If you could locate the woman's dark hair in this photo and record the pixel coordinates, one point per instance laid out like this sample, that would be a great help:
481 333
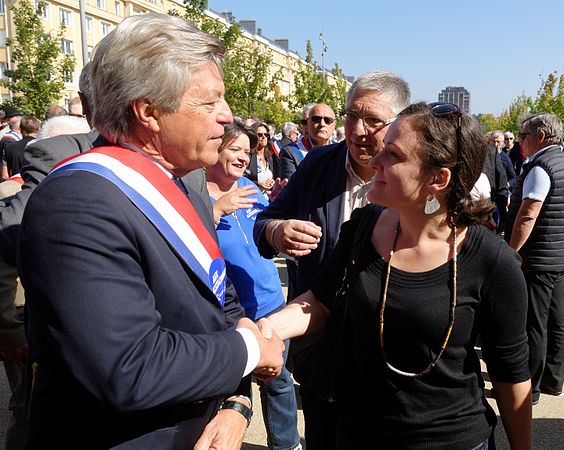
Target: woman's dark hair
438 138
267 150
236 129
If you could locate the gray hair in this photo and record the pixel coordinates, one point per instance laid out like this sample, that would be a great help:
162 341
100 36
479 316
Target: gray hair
85 85
549 123
385 82
58 125
508 135
288 128
497 133
307 108
147 57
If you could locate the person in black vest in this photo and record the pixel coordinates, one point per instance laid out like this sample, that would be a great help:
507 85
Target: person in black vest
535 228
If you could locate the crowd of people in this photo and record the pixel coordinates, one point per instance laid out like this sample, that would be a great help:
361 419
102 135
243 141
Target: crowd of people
144 243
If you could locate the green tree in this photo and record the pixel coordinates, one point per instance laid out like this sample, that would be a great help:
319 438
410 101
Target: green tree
246 75
40 69
511 118
488 122
550 96
340 89
310 84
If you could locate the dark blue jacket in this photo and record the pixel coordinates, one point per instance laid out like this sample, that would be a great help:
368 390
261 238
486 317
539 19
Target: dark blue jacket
315 193
127 345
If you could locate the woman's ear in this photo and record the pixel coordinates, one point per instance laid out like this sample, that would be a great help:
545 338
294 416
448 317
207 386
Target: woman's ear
146 114
440 181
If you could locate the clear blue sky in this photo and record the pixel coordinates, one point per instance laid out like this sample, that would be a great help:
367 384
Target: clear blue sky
496 49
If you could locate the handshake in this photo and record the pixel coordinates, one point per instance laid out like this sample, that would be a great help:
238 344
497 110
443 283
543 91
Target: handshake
271 348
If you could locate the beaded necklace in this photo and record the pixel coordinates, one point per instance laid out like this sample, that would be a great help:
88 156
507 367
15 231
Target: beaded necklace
451 313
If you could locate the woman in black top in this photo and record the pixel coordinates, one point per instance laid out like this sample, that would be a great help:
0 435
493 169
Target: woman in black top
424 278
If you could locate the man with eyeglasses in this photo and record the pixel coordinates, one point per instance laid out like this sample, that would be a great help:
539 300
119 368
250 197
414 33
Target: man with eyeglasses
535 228
320 126
305 219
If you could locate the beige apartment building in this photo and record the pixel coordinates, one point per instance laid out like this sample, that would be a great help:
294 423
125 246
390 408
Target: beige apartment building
101 16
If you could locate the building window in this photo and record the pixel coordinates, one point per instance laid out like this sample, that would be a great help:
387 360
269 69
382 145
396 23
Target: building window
65 17
101 4
3 67
44 13
66 47
68 76
88 24
2 8
137 10
117 8
2 38
106 28
90 49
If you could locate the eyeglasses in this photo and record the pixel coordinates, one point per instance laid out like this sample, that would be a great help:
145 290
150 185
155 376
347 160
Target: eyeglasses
523 135
370 123
318 119
263 135
445 109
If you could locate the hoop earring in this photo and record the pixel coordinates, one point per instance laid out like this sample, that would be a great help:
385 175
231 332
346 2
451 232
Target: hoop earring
432 205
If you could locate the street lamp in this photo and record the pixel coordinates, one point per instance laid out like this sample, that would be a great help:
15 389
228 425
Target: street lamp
324 48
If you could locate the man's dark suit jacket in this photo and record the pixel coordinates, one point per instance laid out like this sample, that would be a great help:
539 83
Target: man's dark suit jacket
14 154
315 193
41 156
289 160
127 344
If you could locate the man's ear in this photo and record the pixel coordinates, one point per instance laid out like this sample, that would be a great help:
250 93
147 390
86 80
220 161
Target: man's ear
146 114
541 135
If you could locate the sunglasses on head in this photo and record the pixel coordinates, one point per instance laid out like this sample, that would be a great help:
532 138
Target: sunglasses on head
441 109
318 119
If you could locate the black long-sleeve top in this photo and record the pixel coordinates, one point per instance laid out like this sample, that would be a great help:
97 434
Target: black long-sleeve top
446 408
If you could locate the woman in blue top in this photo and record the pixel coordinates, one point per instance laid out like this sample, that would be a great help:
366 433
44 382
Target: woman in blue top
236 205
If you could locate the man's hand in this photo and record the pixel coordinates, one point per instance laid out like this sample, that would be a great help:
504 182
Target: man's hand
293 237
232 201
271 350
224 432
15 354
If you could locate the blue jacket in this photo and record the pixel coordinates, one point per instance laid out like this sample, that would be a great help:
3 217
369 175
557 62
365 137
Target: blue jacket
255 278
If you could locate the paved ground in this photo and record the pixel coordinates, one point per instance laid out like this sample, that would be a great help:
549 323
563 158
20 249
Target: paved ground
548 420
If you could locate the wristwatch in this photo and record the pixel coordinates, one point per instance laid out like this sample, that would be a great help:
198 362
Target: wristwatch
239 407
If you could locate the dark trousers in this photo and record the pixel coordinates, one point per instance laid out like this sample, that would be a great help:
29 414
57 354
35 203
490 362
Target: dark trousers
545 329
320 419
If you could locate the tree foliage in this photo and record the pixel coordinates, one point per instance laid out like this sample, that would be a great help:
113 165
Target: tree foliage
38 77
550 96
511 118
310 86
250 88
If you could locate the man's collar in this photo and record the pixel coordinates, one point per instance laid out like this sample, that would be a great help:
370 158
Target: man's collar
540 152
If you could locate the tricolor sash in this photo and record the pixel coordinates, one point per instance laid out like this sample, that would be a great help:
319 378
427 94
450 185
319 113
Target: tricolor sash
151 189
276 148
304 146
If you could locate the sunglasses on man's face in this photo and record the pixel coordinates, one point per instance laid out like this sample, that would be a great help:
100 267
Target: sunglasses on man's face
318 119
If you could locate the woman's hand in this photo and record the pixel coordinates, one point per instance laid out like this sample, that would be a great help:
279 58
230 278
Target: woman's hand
266 185
232 201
